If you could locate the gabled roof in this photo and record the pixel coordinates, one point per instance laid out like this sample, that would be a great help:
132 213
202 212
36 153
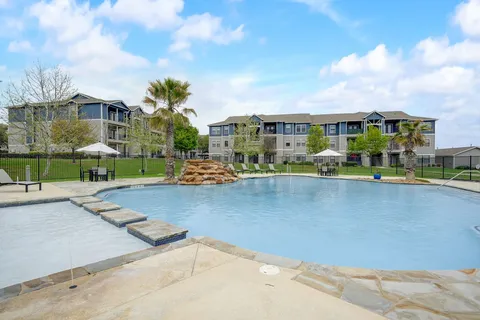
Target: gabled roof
453 151
323 118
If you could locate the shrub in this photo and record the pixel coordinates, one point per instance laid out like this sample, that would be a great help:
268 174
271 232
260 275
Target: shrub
349 164
439 165
462 167
398 165
305 163
285 162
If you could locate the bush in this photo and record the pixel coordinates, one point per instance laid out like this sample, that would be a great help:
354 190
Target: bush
349 164
398 165
285 162
303 163
462 167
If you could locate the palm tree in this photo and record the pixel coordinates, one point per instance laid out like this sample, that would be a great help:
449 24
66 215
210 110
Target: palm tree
167 98
410 136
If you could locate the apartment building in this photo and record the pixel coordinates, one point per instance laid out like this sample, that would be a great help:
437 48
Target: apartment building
110 120
289 134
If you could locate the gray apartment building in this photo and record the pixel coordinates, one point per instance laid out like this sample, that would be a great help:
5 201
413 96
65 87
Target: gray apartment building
110 120
289 132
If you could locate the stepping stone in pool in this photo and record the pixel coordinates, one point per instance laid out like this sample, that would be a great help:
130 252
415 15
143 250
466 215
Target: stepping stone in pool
120 218
98 207
156 232
80 201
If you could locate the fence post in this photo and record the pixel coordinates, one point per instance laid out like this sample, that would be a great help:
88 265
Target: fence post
422 166
38 167
396 165
443 167
470 168
143 171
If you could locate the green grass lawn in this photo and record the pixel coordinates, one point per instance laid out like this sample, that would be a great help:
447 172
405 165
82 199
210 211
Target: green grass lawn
65 169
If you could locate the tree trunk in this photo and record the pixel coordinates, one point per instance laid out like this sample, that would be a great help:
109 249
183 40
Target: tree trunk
47 166
73 155
169 154
410 159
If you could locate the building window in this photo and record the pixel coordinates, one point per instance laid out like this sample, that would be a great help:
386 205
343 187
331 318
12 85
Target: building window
298 143
301 128
215 143
287 143
270 129
288 128
303 143
332 144
226 143
216 157
332 159
332 129
225 131
389 128
215 131
428 125
287 157
225 158
300 158
427 142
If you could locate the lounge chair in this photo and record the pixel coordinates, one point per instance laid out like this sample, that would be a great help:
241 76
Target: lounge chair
6 180
233 168
272 169
245 168
257 168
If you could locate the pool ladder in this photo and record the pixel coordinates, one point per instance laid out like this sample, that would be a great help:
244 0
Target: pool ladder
464 171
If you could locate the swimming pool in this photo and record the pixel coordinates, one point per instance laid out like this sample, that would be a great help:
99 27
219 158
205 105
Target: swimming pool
38 240
330 221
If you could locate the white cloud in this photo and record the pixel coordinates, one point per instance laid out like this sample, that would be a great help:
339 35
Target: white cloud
73 34
379 60
19 46
323 6
447 80
437 52
206 28
162 62
3 3
467 16
262 41
3 68
153 14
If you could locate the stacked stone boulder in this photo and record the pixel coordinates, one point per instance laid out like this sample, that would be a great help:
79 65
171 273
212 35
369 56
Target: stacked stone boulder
197 172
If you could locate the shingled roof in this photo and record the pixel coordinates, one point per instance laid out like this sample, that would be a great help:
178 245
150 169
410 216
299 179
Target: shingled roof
453 151
322 118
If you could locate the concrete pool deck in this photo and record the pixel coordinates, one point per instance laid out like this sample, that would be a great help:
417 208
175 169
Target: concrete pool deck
209 279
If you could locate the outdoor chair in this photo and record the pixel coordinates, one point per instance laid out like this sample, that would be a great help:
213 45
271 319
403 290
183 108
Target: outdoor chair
82 174
245 168
6 180
102 174
233 168
324 171
272 169
257 168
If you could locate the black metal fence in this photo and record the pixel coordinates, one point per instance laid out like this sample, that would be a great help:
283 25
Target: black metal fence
41 167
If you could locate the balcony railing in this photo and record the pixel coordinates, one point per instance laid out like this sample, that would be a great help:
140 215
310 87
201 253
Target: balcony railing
354 131
117 136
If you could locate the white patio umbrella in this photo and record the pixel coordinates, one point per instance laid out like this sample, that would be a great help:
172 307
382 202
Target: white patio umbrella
327 153
98 148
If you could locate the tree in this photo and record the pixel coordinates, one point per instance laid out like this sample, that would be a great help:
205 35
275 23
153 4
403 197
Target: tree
247 139
142 137
185 139
167 98
203 142
35 102
410 136
316 140
3 136
370 143
72 133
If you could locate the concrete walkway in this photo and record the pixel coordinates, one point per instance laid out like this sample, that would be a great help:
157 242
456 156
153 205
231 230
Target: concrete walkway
193 282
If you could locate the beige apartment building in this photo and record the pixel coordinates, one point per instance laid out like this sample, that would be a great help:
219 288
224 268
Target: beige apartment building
289 132
110 120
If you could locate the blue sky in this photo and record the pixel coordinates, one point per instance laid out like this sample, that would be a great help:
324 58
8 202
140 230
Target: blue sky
270 56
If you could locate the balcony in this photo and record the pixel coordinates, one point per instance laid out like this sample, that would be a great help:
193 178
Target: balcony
113 135
354 131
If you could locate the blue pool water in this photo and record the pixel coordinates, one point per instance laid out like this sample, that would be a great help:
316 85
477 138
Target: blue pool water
338 222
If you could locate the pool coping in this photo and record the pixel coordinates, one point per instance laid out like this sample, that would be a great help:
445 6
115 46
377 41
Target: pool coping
332 280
